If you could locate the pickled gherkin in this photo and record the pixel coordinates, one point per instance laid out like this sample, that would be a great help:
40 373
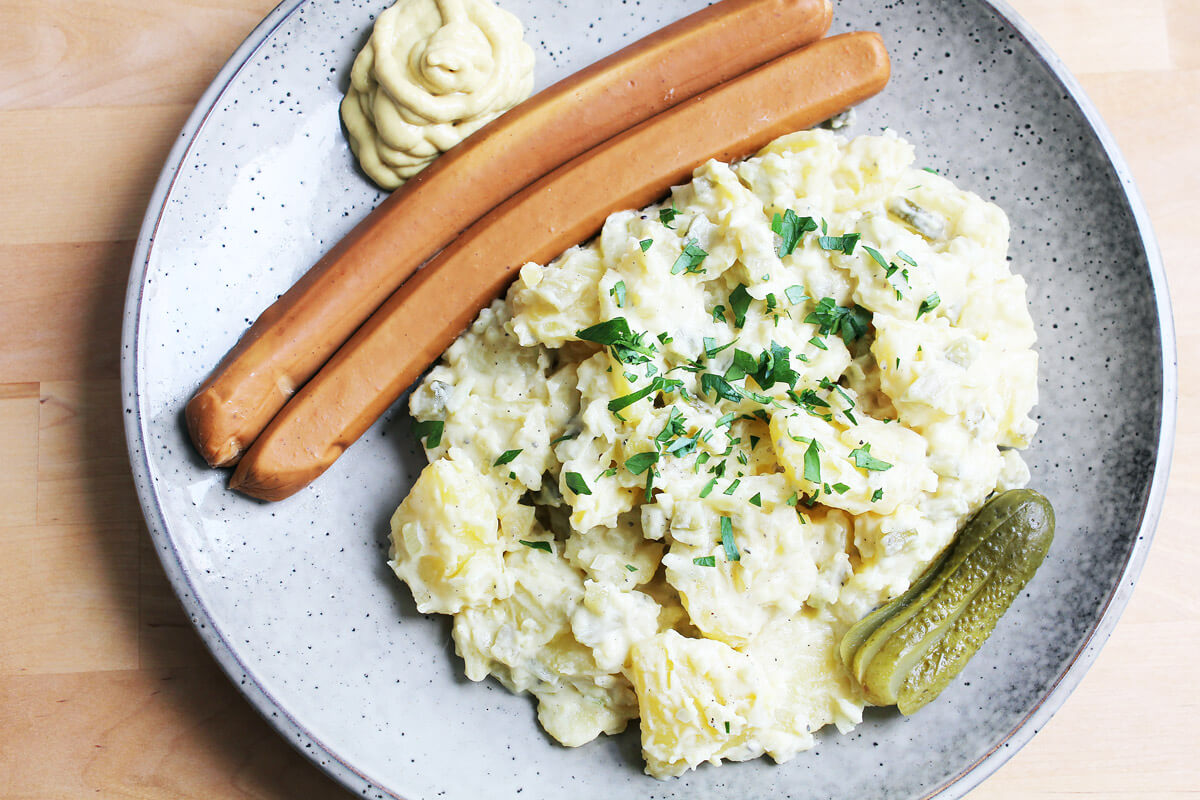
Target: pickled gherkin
908 650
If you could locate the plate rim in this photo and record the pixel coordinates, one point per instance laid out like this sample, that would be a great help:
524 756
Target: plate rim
304 741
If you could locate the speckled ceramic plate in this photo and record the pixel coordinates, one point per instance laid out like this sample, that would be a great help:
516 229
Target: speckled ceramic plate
295 599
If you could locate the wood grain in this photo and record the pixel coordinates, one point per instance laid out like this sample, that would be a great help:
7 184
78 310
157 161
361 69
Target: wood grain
105 689
79 286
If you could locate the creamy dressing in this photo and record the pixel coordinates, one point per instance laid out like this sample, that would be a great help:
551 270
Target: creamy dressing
739 430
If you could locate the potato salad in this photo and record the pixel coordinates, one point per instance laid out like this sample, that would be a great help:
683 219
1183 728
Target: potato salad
672 467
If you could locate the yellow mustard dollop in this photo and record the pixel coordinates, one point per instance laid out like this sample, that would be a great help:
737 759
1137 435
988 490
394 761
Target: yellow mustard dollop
432 73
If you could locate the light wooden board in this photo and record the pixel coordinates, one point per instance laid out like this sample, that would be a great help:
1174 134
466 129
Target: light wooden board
106 691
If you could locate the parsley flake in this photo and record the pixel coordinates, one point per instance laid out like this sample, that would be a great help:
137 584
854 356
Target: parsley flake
739 301
875 254
544 546
641 462
864 460
850 323
711 348
667 215
743 364
618 293
506 457
812 462
710 383
705 561
790 228
627 347
731 548
430 430
624 401
690 259
795 294
645 244
929 304
844 243
577 484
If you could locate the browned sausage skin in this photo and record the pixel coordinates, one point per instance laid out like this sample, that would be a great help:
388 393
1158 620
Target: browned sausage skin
292 338
564 208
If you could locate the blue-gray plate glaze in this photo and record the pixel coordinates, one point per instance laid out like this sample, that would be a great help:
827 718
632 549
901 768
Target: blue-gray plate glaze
295 599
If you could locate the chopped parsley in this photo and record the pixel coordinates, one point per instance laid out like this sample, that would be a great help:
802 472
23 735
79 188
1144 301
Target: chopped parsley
705 561
903 256
812 462
715 384
844 243
790 228
891 270
864 460
841 488
850 323
430 430
506 456
624 401
718 313
641 462
563 438
739 301
690 259
756 500
711 348
682 446
577 484
743 364
731 548
795 294
774 365
544 546
618 292
673 427
877 495
631 568
645 244
929 304
733 486
667 215
878 256
627 347
708 487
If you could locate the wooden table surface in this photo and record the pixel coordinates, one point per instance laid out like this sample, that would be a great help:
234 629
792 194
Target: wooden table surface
105 689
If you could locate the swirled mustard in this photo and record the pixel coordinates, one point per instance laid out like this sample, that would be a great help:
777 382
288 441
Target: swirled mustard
432 73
